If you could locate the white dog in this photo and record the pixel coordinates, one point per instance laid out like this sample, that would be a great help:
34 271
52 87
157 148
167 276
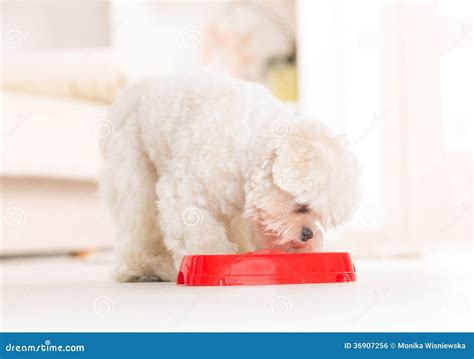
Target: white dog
205 163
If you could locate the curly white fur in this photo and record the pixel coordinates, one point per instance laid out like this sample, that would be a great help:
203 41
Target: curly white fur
204 163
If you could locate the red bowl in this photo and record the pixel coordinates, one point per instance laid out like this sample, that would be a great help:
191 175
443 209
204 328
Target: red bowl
266 267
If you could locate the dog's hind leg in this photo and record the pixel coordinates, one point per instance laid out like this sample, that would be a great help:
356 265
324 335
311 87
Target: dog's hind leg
187 224
128 186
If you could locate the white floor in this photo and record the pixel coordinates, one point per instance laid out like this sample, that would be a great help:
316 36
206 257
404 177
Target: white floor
70 294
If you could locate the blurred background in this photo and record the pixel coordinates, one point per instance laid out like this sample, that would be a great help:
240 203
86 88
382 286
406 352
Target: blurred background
395 77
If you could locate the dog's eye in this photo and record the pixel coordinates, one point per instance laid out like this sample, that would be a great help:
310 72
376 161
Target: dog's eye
302 209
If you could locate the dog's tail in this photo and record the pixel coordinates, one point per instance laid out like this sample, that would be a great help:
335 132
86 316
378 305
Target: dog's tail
124 105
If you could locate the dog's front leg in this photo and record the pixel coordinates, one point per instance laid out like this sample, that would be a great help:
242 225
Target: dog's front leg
188 227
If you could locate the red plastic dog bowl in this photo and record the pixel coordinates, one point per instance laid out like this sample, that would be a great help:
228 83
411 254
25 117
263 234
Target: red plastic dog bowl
266 267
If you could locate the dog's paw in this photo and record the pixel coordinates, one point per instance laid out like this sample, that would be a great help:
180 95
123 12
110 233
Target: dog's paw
126 276
122 274
144 278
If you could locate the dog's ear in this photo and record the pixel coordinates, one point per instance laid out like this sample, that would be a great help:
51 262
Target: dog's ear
317 168
259 183
294 166
304 162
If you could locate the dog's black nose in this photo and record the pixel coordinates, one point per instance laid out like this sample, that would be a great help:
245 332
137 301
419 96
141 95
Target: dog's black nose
306 234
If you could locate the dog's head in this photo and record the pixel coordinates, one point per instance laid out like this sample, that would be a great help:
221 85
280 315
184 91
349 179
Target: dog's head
305 182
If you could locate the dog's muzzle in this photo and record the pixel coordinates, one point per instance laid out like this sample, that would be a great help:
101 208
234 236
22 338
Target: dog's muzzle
306 234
